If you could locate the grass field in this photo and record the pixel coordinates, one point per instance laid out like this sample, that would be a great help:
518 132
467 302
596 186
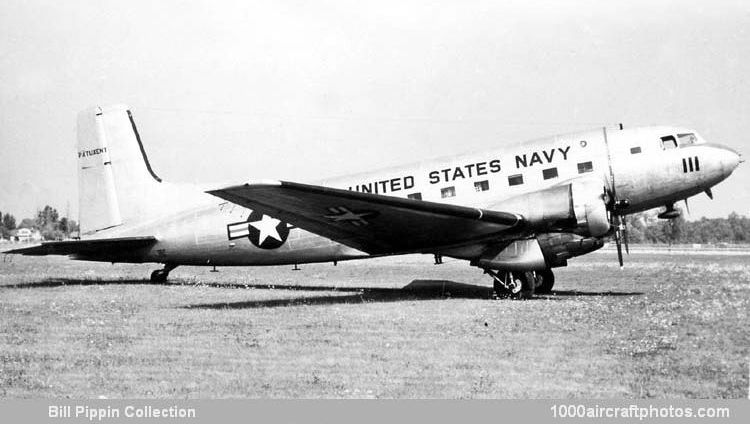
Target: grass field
667 326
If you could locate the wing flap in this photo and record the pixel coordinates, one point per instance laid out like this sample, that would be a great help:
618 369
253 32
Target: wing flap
85 247
373 223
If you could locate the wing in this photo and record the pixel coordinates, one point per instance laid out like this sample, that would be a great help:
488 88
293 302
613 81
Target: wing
95 247
373 223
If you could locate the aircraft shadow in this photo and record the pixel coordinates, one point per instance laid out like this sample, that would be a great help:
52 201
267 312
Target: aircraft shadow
575 293
416 290
59 282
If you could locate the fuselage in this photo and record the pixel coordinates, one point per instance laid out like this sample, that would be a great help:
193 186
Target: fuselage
649 167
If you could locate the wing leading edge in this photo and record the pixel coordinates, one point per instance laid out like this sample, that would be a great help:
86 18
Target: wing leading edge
373 223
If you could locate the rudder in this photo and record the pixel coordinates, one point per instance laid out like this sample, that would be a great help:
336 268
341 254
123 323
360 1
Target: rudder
114 173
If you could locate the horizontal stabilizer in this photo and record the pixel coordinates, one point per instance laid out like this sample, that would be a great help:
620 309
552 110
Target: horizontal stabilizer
373 223
94 247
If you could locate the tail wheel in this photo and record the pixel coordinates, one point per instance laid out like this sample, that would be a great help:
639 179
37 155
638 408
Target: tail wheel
159 276
548 280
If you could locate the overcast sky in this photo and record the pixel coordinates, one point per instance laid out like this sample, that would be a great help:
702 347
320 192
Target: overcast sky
301 90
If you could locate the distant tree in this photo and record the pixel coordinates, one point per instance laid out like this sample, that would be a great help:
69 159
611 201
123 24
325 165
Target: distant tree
47 223
27 223
9 222
637 228
46 216
67 226
740 227
72 227
673 230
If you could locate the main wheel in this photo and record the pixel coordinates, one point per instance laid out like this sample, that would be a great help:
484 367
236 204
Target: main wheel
527 282
548 280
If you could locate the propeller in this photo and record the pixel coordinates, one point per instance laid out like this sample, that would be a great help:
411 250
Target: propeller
616 208
618 222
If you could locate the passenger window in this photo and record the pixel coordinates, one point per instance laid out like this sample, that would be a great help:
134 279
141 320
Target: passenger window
585 167
686 139
635 150
549 173
668 142
514 180
448 192
482 185
415 196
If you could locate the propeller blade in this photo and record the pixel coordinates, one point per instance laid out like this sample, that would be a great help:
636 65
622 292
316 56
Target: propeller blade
615 220
625 235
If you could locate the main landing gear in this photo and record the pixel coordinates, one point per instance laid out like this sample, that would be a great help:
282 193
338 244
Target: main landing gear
545 281
521 284
160 275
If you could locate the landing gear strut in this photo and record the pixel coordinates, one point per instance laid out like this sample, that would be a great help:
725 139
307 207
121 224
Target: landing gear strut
517 285
160 275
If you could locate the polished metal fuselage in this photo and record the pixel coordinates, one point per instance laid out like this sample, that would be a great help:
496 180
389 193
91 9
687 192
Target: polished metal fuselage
196 232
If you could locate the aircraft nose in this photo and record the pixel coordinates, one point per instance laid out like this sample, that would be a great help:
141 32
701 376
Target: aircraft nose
728 159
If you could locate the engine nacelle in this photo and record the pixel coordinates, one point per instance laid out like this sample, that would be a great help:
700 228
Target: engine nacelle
577 207
559 247
545 251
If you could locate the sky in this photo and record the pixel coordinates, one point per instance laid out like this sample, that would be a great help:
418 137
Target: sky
298 90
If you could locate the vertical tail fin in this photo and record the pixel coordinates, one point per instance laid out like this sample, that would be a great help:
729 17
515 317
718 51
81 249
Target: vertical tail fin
114 172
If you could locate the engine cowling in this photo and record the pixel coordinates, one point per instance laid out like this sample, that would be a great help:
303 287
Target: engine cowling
557 248
578 207
590 208
546 250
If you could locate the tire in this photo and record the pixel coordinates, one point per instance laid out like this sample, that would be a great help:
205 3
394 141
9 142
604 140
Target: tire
548 281
527 285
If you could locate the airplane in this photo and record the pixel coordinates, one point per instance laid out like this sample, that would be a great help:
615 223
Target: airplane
515 212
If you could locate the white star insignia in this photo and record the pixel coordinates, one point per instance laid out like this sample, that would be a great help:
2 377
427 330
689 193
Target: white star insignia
267 228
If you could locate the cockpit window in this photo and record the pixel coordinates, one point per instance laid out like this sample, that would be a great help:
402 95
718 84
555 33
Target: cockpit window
686 139
668 142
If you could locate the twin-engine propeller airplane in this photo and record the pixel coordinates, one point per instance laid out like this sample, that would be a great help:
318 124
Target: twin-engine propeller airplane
515 212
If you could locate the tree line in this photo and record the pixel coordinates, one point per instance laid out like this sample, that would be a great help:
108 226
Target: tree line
645 227
48 222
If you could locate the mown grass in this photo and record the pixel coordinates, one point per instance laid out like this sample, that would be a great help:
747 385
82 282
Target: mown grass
666 326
